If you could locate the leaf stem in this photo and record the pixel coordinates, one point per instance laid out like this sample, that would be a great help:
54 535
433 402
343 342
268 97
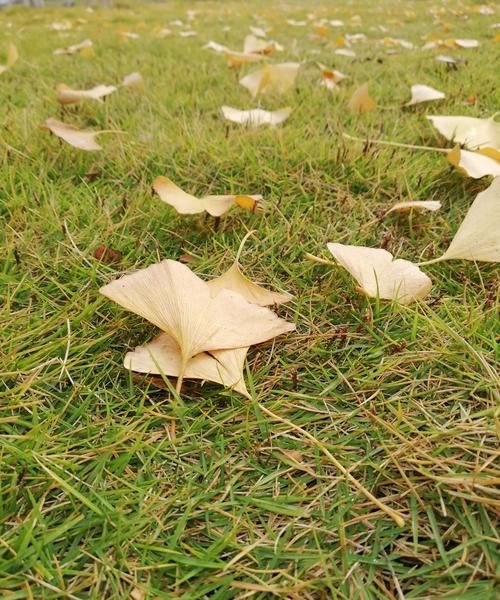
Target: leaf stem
397 144
117 131
321 261
180 377
242 243
431 261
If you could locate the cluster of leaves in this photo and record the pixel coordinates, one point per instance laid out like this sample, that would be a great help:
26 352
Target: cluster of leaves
321 382
179 303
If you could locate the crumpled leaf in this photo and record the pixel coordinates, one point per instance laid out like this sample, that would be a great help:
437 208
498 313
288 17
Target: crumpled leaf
478 237
448 60
216 47
67 95
332 74
12 57
163 32
179 303
355 38
84 47
475 164
125 36
330 77
345 52
450 43
278 78
470 132
361 101
254 50
467 43
162 356
133 80
256 116
61 25
380 275
84 140
237 59
107 255
254 45
258 32
424 93
395 42
186 204
431 205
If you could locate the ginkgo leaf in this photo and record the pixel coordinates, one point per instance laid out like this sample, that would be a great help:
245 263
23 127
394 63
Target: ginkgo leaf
278 78
380 275
330 77
361 101
179 303
321 29
345 52
186 204
61 25
162 356
475 164
355 37
85 47
470 132
391 42
128 35
450 43
258 31
431 205
237 59
467 43
233 279
12 57
163 32
133 80
478 237
331 74
256 116
254 45
67 95
432 44
216 47
84 140
449 60
424 93
330 84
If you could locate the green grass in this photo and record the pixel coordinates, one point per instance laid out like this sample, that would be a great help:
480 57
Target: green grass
98 499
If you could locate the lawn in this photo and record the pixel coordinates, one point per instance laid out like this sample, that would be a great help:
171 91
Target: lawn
113 486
